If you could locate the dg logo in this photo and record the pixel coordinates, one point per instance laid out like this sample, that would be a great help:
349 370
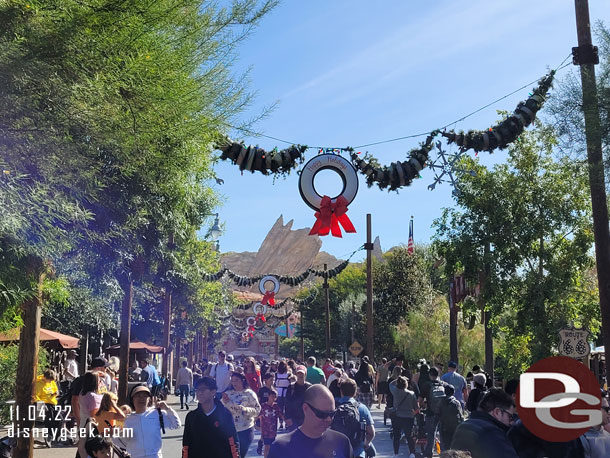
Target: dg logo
559 399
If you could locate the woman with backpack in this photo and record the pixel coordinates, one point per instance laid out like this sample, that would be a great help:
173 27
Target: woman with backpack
402 413
282 383
365 378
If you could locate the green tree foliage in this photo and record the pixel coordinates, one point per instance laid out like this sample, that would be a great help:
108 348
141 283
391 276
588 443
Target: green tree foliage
534 213
108 115
401 285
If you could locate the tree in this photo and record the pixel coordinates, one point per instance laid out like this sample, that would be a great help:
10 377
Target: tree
534 214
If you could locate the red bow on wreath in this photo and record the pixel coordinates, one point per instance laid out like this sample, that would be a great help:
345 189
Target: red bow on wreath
331 217
251 331
268 298
261 317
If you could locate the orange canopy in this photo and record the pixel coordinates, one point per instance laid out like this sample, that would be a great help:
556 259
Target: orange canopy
135 345
45 335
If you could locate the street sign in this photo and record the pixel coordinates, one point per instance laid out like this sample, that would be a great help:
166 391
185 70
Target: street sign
574 343
355 348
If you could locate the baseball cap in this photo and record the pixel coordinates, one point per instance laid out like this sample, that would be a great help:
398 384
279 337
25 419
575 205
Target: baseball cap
229 357
452 364
301 369
98 362
480 379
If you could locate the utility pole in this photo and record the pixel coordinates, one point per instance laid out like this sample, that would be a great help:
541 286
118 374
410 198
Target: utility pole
453 321
302 333
127 285
327 307
167 316
369 289
353 314
489 343
585 55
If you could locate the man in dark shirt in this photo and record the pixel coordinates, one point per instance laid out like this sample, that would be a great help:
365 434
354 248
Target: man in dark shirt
314 439
209 430
294 399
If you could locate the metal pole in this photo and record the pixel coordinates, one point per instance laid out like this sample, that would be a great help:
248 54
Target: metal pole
302 333
489 343
327 307
596 166
369 290
453 323
167 316
127 286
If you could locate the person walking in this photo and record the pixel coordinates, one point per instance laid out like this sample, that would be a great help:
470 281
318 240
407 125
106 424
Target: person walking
477 393
314 374
295 397
365 380
434 394
146 423
314 439
209 430
221 373
402 413
484 433
451 415
452 377
353 419
184 382
269 417
150 376
243 404
253 374
381 381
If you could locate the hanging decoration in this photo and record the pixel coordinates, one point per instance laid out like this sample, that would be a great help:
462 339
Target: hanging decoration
444 166
397 174
507 130
253 158
269 295
331 213
332 272
307 300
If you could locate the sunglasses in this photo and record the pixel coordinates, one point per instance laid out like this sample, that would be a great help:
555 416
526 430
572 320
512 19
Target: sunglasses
322 414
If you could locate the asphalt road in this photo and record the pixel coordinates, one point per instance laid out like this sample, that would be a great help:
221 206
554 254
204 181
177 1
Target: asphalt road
172 440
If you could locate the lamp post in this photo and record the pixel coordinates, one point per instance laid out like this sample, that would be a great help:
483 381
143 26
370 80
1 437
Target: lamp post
215 231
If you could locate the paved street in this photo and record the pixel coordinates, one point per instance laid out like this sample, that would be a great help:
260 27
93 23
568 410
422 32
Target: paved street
172 440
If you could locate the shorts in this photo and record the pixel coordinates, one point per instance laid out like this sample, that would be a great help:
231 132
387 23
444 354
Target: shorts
382 388
268 440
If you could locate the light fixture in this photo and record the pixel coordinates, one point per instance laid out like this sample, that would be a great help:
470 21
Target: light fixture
215 230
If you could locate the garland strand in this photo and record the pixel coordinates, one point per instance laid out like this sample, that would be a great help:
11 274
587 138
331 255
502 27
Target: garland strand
287 280
507 130
398 174
253 158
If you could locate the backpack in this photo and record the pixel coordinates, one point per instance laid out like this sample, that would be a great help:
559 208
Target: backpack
365 387
347 421
436 397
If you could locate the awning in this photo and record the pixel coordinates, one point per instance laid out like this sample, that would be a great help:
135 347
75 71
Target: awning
136 345
45 336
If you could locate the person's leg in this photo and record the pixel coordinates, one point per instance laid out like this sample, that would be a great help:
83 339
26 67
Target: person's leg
431 423
266 451
181 389
245 439
396 431
409 433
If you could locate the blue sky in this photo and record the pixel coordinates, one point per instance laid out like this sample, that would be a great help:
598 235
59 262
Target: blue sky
352 72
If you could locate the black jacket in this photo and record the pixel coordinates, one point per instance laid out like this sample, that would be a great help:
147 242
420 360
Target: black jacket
484 437
474 398
529 446
212 436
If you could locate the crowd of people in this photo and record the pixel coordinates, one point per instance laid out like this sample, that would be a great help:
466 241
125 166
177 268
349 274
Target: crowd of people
312 410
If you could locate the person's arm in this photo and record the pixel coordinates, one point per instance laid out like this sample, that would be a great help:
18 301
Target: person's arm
187 439
118 413
250 406
369 433
170 417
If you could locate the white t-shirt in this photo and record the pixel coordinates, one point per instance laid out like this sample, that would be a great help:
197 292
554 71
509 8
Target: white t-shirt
222 374
71 368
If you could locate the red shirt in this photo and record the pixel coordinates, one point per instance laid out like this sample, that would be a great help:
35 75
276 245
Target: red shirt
254 380
269 416
328 370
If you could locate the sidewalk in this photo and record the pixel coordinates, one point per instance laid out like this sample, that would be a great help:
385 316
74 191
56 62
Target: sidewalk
172 439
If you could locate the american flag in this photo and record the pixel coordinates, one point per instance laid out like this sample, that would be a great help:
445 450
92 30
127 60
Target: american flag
411 245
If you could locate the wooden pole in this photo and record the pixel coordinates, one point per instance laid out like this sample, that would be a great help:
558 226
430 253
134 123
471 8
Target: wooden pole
453 323
167 317
596 166
327 310
369 290
489 343
302 323
84 350
125 338
27 362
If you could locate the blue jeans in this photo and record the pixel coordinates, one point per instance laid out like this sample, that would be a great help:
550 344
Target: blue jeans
431 424
245 439
184 392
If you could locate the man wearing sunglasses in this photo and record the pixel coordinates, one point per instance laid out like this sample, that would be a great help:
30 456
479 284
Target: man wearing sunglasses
314 439
596 441
484 433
